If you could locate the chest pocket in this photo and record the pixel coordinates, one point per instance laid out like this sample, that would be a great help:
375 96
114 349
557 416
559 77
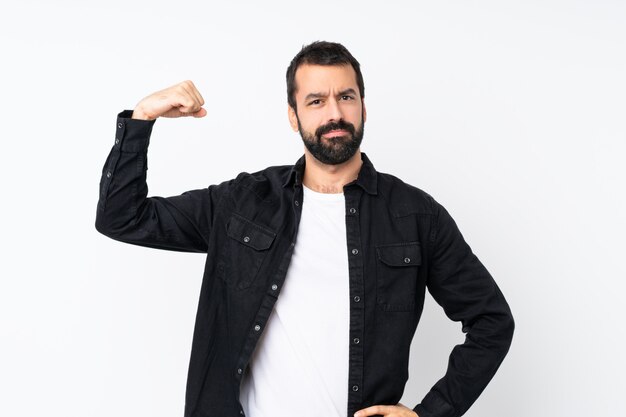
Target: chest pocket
248 246
396 275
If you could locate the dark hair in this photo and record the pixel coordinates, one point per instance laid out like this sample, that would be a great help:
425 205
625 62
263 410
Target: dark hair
321 53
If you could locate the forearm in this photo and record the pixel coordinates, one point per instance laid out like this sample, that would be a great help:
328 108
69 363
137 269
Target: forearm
461 284
123 182
471 366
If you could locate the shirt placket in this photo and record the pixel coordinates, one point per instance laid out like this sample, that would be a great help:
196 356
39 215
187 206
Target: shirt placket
357 308
271 296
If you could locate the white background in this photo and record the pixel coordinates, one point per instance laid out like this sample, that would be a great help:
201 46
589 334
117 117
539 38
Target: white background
510 113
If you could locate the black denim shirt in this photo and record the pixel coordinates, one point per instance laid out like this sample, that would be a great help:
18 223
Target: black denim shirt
400 241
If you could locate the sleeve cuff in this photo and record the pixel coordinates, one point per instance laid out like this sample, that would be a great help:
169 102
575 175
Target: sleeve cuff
421 412
434 406
132 135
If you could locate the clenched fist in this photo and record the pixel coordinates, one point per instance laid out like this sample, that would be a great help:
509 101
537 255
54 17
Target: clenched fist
179 100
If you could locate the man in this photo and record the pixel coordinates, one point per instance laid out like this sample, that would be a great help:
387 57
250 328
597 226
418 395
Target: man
316 272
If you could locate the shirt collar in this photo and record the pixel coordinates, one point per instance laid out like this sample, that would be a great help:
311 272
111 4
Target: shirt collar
367 178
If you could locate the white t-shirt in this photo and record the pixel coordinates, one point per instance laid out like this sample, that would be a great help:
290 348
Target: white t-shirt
300 365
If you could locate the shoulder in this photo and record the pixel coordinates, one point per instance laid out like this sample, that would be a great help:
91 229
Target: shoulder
264 183
404 197
275 174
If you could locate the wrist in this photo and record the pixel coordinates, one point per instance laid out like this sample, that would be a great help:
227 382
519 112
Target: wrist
139 114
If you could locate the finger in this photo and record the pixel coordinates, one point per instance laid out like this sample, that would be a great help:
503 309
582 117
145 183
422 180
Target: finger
173 112
196 93
193 92
200 113
373 410
176 112
200 97
187 103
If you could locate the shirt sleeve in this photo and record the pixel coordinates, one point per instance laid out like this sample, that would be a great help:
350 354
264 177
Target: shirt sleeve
125 213
460 283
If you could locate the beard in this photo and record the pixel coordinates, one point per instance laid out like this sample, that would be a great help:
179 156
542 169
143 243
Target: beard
334 150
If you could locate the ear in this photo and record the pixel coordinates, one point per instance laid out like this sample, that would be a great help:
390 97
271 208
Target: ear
293 118
364 110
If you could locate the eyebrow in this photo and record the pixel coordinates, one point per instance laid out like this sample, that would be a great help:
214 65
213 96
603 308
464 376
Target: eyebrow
321 95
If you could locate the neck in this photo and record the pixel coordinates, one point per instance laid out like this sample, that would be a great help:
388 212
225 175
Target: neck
330 179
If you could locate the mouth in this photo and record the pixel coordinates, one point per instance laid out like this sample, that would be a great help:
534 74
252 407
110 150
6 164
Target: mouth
335 133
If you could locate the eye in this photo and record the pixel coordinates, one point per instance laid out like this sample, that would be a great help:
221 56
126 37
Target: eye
314 102
347 97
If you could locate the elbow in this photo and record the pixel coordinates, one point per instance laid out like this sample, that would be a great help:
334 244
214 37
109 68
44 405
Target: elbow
509 328
105 224
492 332
101 224
505 331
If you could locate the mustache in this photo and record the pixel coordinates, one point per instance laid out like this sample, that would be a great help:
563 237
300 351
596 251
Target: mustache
340 125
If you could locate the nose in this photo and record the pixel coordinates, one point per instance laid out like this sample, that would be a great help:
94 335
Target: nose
334 111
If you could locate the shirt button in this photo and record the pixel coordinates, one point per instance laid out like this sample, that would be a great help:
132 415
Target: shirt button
355 388
109 174
257 328
246 239
355 251
119 125
239 371
117 141
274 287
352 210
357 298
297 203
407 260
356 341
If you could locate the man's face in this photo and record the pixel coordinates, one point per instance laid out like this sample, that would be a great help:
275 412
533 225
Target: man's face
331 112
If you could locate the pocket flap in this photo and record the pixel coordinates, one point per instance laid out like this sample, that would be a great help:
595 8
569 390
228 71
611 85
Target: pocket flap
249 233
400 254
